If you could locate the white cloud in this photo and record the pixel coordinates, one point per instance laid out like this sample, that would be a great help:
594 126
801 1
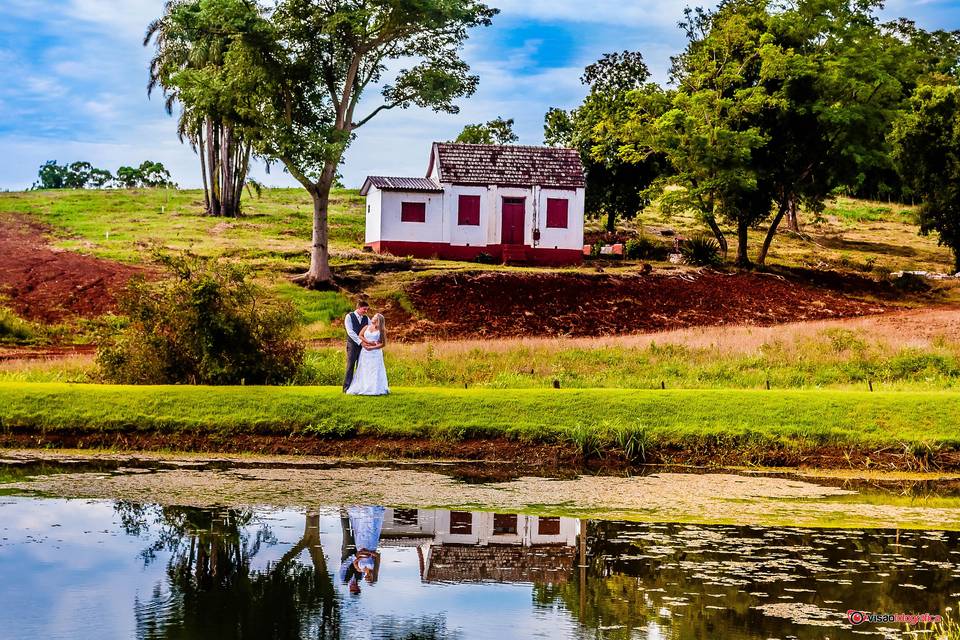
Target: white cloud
629 13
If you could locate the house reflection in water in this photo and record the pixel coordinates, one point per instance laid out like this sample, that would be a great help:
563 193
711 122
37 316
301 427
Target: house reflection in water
462 546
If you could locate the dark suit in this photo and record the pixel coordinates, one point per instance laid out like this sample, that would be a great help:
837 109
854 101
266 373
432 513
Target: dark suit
353 349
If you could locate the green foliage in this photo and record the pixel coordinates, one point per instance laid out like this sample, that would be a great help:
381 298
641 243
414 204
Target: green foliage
206 55
148 175
497 131
83 175
616 178
926 141
702 251
76 175
14 329
644 248
485 258
206 325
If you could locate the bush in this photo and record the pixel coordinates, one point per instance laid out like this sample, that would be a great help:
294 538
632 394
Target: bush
702 251
643 248
14 329
207 324
485 258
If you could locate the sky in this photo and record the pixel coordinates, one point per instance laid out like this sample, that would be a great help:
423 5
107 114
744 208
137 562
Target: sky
73 77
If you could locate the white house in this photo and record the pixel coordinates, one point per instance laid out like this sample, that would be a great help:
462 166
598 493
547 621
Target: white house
517 204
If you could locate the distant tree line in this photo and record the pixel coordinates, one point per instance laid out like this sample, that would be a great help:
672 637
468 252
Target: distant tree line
83 175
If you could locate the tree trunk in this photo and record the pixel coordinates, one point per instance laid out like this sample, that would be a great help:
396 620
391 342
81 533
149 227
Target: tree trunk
319 276
611 220
718 234
793 220
212 163
243 166
743 259
227 208
772 231
203 170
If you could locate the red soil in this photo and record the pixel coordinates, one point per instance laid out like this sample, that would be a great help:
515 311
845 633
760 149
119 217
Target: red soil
505 304
47 284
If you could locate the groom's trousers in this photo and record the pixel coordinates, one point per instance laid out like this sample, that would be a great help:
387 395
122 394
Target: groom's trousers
353 355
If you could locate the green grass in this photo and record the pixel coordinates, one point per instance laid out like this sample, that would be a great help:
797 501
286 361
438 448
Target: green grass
16 330
829 359
272 236
322 310
589 418
118 224
823 359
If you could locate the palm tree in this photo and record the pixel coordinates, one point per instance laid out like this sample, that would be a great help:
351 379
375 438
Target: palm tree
191 41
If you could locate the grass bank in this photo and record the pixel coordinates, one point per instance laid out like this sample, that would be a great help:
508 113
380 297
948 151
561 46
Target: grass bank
648 425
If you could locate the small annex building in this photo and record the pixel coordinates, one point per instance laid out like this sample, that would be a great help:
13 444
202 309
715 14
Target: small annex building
517 204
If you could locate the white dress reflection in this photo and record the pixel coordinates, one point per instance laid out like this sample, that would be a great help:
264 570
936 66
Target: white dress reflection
365 525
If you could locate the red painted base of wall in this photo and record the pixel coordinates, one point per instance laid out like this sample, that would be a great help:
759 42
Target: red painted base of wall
530 255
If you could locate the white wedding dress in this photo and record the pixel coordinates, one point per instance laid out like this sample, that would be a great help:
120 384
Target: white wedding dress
370 378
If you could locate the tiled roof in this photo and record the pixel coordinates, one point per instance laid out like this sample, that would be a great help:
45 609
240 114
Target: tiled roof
400 184
509 165
500 563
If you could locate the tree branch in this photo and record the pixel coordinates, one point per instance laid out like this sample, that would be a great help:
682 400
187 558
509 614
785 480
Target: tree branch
383 107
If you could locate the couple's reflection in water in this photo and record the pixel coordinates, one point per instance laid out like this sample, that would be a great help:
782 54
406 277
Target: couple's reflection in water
360 553
218 585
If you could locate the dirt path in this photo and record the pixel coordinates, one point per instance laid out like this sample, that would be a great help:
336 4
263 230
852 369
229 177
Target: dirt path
572 304
909 328
46 284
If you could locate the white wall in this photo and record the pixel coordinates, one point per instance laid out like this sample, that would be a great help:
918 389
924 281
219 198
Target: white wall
383 216
372 232
474 236
391 228
572 236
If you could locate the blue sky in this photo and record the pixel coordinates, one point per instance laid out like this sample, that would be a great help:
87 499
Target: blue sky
73 80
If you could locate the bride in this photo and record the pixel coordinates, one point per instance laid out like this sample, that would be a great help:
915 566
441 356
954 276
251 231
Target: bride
371 376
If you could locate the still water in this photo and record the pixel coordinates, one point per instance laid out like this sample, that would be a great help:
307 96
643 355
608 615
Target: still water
101 569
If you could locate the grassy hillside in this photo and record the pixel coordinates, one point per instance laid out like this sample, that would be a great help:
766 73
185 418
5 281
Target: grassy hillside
273 236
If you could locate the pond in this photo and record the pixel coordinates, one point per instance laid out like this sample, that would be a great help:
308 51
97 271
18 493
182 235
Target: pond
93 566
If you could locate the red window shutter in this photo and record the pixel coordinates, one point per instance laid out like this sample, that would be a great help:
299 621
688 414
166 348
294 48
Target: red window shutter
557 213
413 212
468 211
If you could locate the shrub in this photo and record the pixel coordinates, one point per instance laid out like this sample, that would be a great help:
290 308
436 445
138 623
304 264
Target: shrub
911 283
206 324
485 258
702 251
643 248
15 329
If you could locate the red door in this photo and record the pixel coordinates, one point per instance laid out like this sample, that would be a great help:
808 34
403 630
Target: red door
512 230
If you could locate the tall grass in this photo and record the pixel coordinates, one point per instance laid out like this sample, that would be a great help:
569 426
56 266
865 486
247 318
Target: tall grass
15 330
793 357
831 358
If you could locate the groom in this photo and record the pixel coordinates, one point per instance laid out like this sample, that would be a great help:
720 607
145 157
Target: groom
353 323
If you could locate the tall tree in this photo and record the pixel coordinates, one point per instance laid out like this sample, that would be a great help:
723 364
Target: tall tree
842 78
325 55
618 172
711 133
199 46
496 131
927 149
